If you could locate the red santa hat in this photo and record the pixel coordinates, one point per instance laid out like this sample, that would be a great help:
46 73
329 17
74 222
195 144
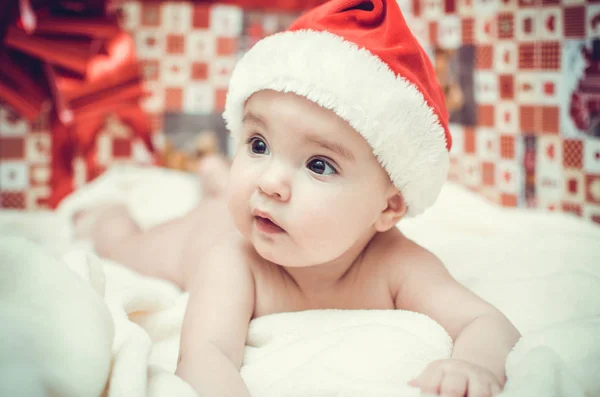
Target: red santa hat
359 59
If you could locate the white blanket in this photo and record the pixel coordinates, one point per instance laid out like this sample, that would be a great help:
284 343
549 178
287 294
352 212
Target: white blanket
542 271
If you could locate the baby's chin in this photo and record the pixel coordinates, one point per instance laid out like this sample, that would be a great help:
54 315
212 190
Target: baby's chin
282 257
268 253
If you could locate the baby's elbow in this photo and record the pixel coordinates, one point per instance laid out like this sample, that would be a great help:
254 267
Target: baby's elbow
182 369
514 334
510 332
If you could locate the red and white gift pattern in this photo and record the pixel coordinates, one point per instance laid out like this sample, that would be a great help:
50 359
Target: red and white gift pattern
186 51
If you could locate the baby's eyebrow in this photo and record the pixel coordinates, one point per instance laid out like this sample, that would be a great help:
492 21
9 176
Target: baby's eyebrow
333 146
252 118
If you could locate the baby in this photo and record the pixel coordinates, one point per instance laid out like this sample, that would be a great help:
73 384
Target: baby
342 132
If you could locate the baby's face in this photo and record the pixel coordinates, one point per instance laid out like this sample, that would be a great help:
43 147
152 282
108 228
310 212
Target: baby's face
304 185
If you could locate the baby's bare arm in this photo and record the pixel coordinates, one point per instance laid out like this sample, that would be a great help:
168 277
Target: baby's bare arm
160 250
216 322
154 252
482 334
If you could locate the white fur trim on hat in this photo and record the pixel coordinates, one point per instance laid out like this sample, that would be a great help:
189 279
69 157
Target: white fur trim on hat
387 110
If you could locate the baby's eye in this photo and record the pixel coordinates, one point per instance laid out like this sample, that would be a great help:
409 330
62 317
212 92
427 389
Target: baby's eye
258 146
321 167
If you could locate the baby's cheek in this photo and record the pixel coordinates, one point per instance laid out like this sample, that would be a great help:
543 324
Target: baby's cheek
237 196
240 179
325 227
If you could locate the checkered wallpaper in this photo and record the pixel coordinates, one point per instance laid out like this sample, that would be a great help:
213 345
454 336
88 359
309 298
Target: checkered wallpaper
533 139
24 162
187 52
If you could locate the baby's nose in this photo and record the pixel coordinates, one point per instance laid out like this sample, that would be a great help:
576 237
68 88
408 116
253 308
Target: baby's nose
275 183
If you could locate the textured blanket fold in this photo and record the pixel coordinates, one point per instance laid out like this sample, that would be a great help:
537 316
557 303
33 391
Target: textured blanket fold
56 331
316 353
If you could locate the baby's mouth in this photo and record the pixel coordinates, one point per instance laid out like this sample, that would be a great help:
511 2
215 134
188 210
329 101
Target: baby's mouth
267 226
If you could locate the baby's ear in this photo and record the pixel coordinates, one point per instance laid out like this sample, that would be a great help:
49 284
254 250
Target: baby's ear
395 210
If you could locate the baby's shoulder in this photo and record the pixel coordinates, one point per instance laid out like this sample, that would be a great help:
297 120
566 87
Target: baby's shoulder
230 255
233 248
394 247
398 256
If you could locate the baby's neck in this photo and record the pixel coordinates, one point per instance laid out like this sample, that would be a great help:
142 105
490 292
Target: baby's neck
325 276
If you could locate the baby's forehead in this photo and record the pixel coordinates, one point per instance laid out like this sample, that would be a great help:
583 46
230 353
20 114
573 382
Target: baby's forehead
298 115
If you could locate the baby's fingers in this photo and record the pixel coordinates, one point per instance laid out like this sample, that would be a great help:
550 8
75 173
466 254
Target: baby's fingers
429 381
454 384
479 387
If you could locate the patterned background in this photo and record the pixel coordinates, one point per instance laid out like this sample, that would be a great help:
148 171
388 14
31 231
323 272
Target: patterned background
529 69
536 140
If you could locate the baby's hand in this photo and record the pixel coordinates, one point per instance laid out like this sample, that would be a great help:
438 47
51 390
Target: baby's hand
457 378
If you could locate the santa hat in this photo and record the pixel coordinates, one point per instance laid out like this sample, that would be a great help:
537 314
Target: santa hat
359 59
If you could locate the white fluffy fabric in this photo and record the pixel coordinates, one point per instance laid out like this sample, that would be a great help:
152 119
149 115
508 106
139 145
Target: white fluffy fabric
341 353
56 330
387 110
60 331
